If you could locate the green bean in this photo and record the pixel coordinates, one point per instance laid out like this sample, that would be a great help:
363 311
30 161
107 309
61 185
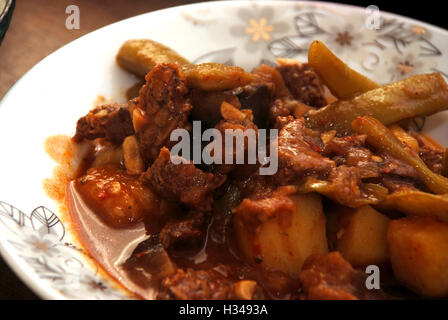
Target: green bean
419 95
215 76
370 193
417 203
384 140
142 55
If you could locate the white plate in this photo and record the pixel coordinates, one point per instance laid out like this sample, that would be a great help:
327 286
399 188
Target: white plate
61 88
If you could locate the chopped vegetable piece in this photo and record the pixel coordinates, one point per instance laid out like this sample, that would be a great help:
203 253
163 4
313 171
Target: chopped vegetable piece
149 262
245 289
141 56
131 155
371 193
383 140
109 155
417 203
359 234
419 95
404 137
419 255
342 81
215 76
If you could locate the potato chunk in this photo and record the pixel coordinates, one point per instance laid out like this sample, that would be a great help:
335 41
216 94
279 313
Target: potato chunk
119 199
281 231
419 255
360 234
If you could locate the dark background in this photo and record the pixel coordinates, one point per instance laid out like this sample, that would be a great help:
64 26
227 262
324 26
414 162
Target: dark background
33 35
429 11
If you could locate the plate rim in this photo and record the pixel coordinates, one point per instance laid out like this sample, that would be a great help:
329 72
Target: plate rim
213 3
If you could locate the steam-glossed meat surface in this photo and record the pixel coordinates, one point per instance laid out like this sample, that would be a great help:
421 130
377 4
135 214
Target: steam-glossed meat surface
182 182
164 106
110 121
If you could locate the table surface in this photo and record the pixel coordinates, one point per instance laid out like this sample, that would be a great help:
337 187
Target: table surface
37 29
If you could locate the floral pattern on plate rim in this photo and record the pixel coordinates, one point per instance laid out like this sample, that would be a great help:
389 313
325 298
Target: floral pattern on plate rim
40 241
398 49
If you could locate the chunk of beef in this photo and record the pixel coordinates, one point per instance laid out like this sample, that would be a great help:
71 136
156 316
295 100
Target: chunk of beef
433 158
239 123
149 262
254 97
300 157
235 119
396 183
207 105
257 98
285 107
163 106
255 186
330 277
362 159
345 185
254 211
397 167
109 121
182 182
430 151
298 153
304 84
187 230
279 285
351 151
196 285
